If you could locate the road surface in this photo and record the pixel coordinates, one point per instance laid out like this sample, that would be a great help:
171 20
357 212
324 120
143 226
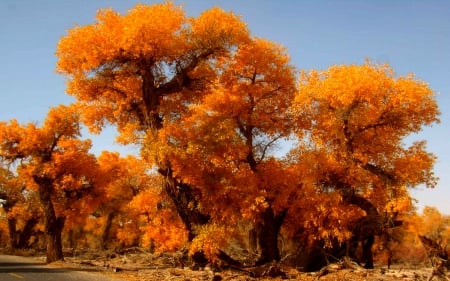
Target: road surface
13 268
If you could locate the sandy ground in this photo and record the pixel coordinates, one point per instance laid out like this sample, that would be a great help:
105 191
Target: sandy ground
139 266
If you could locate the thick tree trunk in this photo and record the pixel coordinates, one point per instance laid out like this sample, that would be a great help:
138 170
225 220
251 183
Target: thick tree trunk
183 199
366 228
186 205
267 233
253 239
54 243
53 225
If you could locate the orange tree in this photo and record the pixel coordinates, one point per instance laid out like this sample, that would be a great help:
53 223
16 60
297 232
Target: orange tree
153 66
224 143
360 116
23 212
406 244
127 180
207 103
21 208
55 163
434 225
138 71
111 220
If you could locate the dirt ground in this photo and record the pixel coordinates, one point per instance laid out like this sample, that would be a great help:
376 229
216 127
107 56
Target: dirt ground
141 266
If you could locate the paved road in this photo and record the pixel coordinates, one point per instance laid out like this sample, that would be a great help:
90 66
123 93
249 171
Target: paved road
13 268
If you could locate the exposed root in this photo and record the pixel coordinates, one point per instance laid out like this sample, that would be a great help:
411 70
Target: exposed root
345 263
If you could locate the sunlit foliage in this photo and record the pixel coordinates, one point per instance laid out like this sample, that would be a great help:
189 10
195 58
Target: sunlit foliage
230 134
54 162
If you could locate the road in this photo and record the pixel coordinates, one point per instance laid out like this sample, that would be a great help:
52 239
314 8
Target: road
13 268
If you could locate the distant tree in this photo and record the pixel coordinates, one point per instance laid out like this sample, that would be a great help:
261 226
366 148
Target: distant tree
55 163
125 180
434 225
21 209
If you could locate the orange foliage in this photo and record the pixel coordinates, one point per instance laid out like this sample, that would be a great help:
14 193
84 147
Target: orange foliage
53 151
359 116
223 143
209 104
21 208
122 67
405 244
53 161
158 223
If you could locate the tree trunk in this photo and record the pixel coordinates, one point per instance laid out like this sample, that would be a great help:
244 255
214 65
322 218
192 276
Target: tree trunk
13 235
267 233
54 243
26 233
186 205
19 239
183 199
106 230
253 239
367 251
53 225
366 228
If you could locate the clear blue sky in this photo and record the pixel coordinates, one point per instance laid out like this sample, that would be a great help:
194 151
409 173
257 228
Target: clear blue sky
413 36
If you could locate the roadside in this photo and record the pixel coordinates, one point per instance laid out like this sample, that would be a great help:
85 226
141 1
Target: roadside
13 268
138 265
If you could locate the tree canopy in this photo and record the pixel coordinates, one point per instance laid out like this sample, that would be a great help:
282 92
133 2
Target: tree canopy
211 107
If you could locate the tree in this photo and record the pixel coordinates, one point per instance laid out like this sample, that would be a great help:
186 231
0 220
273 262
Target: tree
434 225
207 103
128 180
223 145
417 233
55 163
360 116
21 208
139 70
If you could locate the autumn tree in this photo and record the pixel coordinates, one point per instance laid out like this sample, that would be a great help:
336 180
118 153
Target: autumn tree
20 206
207 103
224 144
139 70
125 181
434 225
360 116
153 66
406 244
56 164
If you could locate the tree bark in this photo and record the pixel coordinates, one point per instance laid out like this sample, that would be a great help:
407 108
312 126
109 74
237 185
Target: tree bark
267 234
253 239
106 230
54 243
19 239
26 233
367 251
13 235
183 199
365 228
53 224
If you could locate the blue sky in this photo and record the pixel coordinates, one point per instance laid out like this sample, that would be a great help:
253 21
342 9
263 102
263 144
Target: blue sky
412 36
